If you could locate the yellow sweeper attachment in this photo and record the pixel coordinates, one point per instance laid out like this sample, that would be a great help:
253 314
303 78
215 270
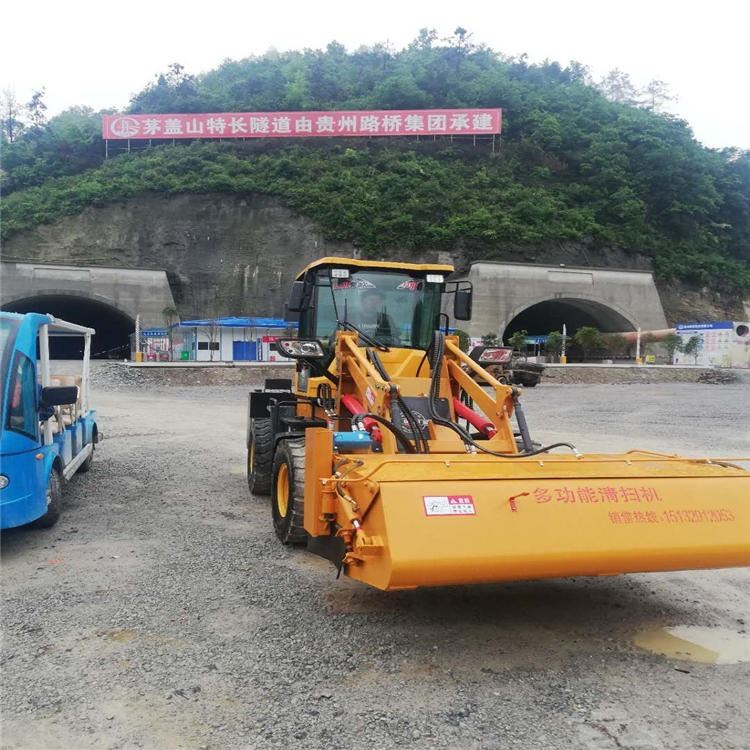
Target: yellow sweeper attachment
395 455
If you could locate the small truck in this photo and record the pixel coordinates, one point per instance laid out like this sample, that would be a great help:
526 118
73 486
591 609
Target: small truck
47 430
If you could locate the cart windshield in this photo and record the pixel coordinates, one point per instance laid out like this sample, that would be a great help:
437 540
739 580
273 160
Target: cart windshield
8 328
396 308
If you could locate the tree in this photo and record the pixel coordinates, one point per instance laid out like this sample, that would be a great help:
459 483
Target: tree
554 343
12 126
490 339
692 348
461 38
37 109
425 39
618 87
517 342
580 73
171 316
213 333
616 344
589 339
464 340
655 95
672 343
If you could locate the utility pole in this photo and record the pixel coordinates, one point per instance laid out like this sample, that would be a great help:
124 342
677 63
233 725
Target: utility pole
138 354
638 347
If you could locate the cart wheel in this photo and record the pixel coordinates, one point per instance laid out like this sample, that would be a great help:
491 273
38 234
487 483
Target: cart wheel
260 457
86 465
54 501
288 495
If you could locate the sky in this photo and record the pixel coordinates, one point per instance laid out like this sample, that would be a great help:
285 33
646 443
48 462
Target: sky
99 53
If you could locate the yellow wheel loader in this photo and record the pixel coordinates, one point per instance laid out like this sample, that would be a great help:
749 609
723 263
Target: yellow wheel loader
396 456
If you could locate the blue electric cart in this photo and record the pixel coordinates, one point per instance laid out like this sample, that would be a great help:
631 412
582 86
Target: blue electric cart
48 431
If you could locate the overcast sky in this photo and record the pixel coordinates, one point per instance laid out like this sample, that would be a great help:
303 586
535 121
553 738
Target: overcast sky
100 53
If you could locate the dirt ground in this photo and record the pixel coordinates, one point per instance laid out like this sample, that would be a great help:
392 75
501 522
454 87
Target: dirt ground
161 612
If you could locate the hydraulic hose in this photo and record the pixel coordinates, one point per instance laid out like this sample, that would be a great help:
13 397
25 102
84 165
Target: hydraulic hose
438 349
355 407
397 432
420 442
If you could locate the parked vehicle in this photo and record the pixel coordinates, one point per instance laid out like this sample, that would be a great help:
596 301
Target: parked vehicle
499 362
47 430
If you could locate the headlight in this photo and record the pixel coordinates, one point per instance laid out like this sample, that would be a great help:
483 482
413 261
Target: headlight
300 348
4 481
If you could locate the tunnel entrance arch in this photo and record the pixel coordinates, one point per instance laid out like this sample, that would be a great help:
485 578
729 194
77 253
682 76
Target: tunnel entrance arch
539 318
113 327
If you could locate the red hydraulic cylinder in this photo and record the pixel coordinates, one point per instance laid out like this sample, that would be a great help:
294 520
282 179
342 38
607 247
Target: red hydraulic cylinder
475 420
355 407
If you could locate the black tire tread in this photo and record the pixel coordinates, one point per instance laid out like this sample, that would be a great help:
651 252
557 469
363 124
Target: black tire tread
291 530
55 506
259 479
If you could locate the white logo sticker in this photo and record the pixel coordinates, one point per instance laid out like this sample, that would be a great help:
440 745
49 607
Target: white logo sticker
449 505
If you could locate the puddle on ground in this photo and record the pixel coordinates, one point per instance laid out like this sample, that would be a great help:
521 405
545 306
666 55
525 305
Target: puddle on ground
699 644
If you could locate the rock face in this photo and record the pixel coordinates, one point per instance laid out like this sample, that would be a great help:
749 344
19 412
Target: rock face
233 254
223 254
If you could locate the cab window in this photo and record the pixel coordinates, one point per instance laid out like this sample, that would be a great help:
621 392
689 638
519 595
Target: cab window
22 409
395 308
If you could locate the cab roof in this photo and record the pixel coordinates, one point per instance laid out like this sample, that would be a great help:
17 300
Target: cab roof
377 264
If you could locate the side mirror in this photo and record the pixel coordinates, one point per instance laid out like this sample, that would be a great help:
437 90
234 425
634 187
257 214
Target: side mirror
58 395
462 304
296 297
289 316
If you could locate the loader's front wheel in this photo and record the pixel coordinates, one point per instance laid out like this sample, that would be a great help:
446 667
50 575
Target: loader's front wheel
288 491
260 457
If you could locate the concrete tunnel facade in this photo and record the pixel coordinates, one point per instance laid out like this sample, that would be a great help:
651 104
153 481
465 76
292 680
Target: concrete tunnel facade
106 299
540 298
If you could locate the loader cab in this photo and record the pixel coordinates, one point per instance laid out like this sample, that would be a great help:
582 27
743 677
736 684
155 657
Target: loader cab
397 304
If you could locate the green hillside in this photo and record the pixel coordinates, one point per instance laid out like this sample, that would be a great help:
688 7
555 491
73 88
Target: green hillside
572 165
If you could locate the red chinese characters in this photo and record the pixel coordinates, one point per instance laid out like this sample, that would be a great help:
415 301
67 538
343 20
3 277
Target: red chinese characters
595 495
303 124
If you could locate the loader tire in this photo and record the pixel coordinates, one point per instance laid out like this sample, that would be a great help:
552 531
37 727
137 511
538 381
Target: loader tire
260 457
288 491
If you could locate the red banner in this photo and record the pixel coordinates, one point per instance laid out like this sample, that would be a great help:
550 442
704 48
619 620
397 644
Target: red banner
303 124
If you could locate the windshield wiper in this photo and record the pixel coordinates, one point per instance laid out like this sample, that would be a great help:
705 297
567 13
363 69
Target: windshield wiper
371 340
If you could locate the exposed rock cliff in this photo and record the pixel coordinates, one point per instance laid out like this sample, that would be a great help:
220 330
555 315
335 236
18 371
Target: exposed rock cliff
228 254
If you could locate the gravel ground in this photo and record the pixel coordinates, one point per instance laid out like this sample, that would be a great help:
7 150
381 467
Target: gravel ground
162 613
